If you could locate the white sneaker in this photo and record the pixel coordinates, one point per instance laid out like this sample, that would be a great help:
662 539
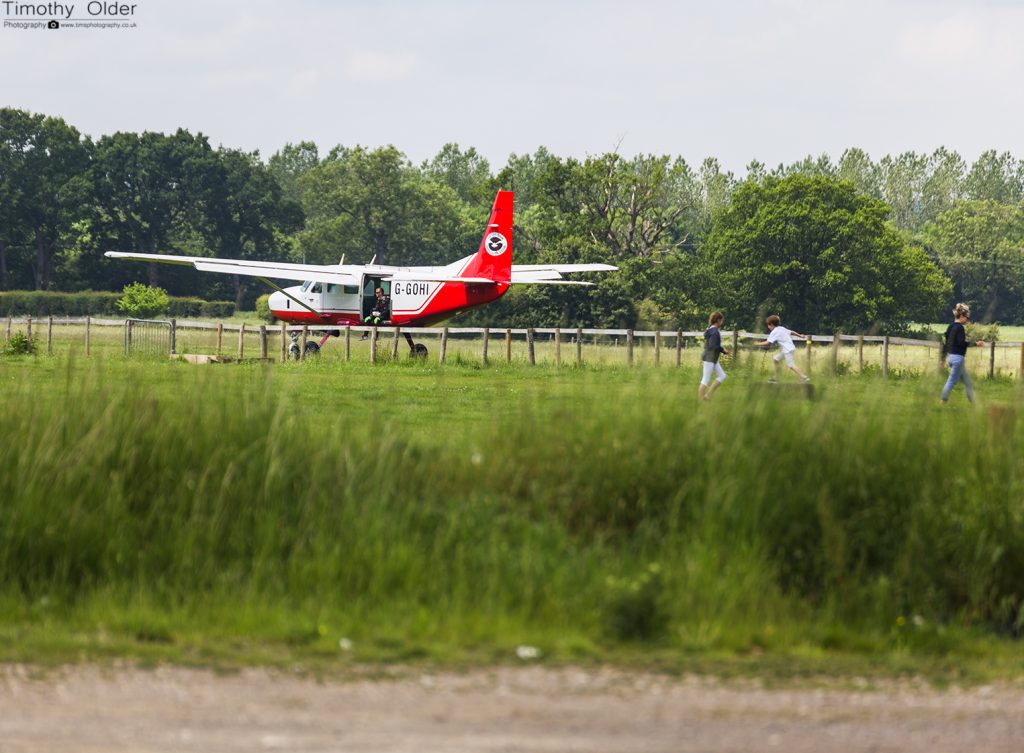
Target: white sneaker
805 379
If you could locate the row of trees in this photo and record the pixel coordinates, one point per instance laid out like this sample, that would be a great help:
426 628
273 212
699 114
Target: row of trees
65 199
854 245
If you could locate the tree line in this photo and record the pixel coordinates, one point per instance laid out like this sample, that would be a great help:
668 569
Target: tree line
854 245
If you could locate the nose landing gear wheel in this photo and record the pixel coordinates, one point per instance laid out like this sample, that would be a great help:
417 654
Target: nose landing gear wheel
312 349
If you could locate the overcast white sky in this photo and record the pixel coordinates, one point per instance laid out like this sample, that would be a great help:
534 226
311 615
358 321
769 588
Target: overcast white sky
774 80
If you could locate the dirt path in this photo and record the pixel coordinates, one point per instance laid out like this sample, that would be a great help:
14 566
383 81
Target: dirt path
529 709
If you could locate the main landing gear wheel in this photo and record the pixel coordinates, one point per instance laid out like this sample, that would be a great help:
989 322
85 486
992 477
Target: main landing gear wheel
416 350
312 349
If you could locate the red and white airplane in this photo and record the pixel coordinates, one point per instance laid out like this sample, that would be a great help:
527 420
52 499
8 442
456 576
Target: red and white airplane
418 296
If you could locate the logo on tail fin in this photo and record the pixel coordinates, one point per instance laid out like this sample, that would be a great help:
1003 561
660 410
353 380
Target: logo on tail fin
496 243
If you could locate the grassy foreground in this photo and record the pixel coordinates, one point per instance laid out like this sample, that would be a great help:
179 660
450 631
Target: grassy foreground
328 514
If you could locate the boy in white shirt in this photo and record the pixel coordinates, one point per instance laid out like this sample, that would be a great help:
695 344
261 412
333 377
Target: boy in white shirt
779 334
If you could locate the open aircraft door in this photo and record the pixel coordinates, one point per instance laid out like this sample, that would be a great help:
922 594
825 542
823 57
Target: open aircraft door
369 300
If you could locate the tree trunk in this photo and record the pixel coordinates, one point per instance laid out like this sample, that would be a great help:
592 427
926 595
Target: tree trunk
154 267
239 291
42 276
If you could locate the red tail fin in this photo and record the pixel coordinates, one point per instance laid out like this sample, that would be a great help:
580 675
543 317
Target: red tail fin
494 258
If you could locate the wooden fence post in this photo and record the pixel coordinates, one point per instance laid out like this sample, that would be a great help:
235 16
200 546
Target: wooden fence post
579 346
263 342
284 342
629 347
128 336
29 328
835 353
9 322
373 345
679 348
348 342
394 345
885 356
220 336
736 344
992 359
302 342
508 346
49 336
444 345
487 337
558 346
241 341
529 346
88 328
173 347
657 347
809 342
860 354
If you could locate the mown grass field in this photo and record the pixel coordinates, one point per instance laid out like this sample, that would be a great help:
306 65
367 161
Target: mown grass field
326 514
69 340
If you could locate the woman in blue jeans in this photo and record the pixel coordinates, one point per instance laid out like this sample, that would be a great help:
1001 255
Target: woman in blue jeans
955 350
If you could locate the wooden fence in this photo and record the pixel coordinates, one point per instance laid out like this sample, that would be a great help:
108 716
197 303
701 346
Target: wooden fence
833 353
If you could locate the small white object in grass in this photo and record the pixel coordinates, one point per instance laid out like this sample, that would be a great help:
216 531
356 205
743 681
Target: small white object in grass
526 653
345 644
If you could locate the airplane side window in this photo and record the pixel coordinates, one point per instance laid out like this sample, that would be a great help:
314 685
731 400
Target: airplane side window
317 288
331 288
350 289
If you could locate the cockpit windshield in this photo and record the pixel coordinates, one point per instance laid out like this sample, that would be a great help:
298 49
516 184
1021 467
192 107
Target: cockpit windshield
306 284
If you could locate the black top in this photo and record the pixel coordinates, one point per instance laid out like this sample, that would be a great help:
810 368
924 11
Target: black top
956 340
712 345
382 305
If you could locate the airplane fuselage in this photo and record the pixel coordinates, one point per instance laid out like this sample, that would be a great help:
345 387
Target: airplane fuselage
412 302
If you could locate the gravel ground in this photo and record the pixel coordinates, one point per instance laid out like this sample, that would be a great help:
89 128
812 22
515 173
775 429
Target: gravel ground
86 708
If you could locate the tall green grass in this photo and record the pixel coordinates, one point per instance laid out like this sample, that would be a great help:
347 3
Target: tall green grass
412 507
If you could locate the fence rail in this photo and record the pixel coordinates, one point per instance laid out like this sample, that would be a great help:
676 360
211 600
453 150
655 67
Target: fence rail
560 345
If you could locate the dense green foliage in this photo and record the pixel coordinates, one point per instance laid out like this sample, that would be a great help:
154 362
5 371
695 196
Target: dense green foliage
143 301
813 250
982 244
942 229
263 309
91 303
146 498
19 344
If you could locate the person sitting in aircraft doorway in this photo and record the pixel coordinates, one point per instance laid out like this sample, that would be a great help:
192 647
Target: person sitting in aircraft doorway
381 311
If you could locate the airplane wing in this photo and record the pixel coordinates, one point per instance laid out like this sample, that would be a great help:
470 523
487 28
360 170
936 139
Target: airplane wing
551 274
433 276
264 269
525 274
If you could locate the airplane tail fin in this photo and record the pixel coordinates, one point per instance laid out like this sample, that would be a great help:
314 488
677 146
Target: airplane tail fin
494 258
